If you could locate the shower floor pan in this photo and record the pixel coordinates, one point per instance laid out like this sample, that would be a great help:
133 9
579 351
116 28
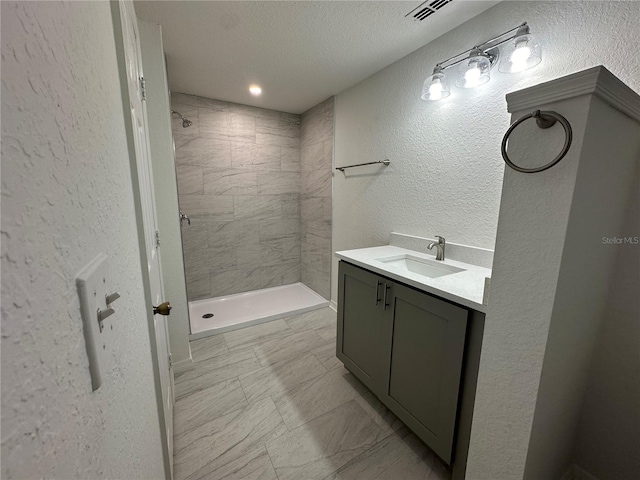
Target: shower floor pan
241 310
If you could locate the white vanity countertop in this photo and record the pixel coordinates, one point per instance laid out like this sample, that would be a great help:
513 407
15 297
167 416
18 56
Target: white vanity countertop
465 288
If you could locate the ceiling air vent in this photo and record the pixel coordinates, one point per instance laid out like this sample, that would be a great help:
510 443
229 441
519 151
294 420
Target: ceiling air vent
426 9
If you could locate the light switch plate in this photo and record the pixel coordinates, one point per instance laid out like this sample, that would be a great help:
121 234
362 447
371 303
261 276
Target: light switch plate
93 284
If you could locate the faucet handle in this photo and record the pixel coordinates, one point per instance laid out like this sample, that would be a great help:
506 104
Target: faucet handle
441 240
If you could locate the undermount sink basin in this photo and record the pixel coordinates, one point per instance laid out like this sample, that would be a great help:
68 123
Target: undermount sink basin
421 266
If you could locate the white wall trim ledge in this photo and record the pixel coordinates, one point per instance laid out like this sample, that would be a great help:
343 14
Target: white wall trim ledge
597 81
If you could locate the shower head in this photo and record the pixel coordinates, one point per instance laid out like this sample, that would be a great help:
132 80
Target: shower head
185 123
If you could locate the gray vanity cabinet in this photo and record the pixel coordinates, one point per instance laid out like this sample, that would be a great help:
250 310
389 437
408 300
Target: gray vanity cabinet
427 350
364 338
408 350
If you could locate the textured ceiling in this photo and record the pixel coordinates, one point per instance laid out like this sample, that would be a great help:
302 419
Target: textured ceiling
299 52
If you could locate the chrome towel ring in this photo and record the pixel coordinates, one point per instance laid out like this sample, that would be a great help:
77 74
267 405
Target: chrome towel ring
543 120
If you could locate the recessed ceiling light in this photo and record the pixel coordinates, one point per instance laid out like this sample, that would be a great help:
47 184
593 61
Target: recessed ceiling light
255 90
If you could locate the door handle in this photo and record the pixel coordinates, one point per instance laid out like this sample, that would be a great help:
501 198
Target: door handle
377 289
386 289
163 309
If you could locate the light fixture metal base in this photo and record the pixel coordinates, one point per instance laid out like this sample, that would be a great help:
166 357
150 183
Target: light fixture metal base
494 55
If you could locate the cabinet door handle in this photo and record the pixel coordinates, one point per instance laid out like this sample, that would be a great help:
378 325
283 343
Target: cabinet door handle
386 289
377 289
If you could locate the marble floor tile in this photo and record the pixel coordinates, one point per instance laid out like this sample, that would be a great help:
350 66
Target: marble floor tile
380 414
323 445
316 319
255 465
301 417
280 376
400 456
209 372
248 337
326 355
309 400
208 347
328 333
218 443
202 406
278 349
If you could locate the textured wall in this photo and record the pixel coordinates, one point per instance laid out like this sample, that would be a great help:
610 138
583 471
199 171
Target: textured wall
165 186
446 170
239 181
316 166
609 432
66 196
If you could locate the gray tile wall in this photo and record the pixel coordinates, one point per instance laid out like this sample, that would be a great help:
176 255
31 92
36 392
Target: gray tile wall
315 199
238 170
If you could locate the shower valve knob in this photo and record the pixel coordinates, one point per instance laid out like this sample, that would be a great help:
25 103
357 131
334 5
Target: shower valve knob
163 309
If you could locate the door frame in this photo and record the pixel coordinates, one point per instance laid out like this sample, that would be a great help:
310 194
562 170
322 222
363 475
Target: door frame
146 283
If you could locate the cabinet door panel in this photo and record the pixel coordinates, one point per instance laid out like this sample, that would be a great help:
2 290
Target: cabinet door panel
363 326
426 365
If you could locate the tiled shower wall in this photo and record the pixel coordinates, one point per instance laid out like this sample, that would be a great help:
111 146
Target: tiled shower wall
238 171
316 217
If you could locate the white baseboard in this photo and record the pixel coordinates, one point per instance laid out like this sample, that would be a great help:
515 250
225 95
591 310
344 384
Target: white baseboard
580 473
182 365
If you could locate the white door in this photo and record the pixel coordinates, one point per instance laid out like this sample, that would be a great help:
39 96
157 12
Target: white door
149 218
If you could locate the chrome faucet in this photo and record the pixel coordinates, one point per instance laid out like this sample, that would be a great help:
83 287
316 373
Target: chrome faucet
440 245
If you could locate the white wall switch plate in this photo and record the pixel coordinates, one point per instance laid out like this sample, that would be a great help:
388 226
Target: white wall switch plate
93 287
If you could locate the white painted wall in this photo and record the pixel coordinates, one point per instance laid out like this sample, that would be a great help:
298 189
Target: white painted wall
551 273
66 196
166 188
446 171
611 407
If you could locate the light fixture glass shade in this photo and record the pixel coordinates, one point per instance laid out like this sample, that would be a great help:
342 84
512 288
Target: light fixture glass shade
473 71
521 53
435 87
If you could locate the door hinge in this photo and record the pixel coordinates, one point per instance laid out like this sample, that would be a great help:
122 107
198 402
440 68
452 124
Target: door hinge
170 362
143 88
157 238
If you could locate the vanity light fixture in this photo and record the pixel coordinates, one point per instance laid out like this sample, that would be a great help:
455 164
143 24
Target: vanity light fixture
521 52
436 86
516 51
